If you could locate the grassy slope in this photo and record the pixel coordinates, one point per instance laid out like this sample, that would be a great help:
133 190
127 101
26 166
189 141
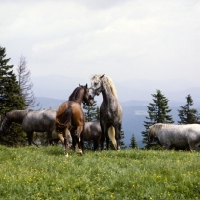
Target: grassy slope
44 173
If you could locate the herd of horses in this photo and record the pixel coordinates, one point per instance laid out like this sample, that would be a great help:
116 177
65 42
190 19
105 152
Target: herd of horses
68 122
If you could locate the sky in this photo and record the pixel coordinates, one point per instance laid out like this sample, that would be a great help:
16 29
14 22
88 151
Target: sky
124 39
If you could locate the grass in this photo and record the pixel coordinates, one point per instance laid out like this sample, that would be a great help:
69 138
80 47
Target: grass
45 173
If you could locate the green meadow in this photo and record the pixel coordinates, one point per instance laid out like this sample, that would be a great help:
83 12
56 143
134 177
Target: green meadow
45 173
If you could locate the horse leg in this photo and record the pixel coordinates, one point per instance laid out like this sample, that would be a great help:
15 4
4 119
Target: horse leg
107 142
42 140
60 136
70 140
49 134
103 135
194 146
118 136
73 137
81 142
96 145
66 133
166 146
79 139
29 136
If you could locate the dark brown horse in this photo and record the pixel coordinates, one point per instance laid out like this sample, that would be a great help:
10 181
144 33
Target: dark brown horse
70 116
92 131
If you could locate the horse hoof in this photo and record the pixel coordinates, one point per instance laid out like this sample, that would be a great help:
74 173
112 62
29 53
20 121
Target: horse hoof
80 152
66 155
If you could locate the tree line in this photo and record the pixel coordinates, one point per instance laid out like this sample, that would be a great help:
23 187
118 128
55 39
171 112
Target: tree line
15 94
159 112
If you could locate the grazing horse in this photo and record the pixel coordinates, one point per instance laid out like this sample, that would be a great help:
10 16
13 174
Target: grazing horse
110 109
31 121
70 116
176 136
42 137
92 131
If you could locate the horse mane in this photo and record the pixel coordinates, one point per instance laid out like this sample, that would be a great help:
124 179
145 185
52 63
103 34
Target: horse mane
73 95
108 83
17 114
156 128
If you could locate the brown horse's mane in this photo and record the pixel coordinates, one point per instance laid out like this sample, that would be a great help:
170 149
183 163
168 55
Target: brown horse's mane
73 96
76 94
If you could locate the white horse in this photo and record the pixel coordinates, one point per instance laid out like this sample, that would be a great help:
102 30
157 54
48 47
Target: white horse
110 109
178 136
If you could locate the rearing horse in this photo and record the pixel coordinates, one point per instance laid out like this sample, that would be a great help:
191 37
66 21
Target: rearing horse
110 109
70 116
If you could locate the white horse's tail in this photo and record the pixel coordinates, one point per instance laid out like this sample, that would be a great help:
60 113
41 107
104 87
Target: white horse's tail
111 134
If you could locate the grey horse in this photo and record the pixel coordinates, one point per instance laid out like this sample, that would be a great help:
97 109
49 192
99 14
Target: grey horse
42 138
31 121
92 131
176 136
110 109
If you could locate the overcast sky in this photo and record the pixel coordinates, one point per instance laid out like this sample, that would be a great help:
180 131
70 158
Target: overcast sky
125 39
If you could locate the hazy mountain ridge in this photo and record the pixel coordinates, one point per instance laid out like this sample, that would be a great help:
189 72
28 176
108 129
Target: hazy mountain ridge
60 87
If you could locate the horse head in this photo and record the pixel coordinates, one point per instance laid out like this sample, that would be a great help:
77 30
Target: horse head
152 132
86 99
96 86
4 123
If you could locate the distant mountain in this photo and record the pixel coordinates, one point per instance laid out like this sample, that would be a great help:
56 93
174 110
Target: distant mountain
60 87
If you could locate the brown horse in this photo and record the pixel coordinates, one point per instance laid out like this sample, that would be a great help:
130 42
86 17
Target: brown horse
70 116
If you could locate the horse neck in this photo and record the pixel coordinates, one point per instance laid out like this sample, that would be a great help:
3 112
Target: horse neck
76 96
16 116
107 94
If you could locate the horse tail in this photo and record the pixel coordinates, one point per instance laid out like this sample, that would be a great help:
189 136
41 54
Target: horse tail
111 134
63 118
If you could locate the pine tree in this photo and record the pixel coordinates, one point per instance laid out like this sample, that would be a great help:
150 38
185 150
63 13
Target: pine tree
187 114
133 143
92 113
158 113
122 145
25 83
10 97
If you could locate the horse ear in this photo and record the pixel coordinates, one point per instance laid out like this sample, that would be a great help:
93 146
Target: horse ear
86 85
102 76
79 85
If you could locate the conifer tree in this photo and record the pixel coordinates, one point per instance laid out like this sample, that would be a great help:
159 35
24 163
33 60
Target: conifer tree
187 114
25 83
133 143
10 98
92 113
122 145
158 113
